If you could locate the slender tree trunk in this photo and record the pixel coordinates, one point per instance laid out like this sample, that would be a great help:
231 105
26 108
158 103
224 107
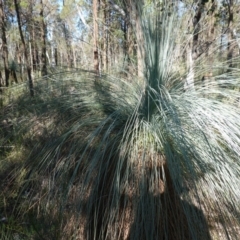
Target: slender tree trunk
61 59
31 55
130 42
1 90
105 36
192 52
70 54
25 49
73 56
211 29
19 60
189 84
1 84
110 47
95 37
13 68
68 44
34 47
128 37
37 59
56 56
44 48
13 73
4 43
139 39
32 40
230 35
125 46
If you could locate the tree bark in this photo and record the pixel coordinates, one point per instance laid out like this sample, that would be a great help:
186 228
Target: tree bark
44 48
192 51
211 28
139 39
19 60
30 81
95 37
12 69
1 84
4 43
230 35
68 43
56 56
33 43
105 40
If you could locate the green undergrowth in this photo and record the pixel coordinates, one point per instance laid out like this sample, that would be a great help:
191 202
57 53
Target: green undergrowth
79 140
27 126
42 136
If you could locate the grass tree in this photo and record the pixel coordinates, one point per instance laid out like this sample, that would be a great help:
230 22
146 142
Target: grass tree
142 160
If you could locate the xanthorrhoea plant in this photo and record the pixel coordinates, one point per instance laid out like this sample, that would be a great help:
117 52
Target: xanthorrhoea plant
166 163
153 160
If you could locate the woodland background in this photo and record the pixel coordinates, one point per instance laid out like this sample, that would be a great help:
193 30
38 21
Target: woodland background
105 36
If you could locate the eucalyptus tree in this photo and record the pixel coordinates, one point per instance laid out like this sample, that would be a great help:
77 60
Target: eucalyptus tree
192 49
106 24
67 17
30 81
4 42
95 36
43 35
125 13
231 45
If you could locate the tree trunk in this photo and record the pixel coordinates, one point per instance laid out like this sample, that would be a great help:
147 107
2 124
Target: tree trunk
74 56
4 43
95 37
139 39
1 90
105 36
189 84
56 56
44 48
34 49
32 39
211 30
1 86
192 51
128 37
19 60
30 43
25 49
230 35
13 68
68 43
